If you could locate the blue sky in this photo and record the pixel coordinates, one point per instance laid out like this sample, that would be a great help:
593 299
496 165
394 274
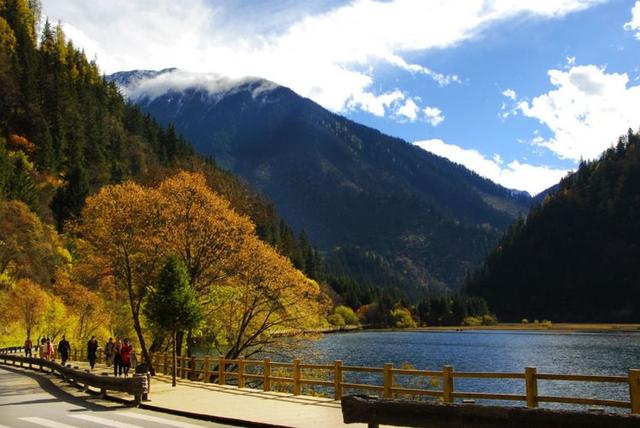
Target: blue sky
517 90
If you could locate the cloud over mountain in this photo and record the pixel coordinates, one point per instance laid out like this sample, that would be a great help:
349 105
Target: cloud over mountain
586 112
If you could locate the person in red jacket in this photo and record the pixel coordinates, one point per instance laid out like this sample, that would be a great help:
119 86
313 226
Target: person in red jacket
125 356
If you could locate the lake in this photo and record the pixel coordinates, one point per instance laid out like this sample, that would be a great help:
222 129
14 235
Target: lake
492 351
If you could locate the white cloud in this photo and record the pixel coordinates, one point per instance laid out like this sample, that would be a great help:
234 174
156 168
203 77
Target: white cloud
586 112
509 93
433 115
514 175
376 104
408 110
321 56
634 24
179 80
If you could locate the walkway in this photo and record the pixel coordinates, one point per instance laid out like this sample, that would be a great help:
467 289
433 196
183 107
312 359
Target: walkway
272 408
29 399
247 404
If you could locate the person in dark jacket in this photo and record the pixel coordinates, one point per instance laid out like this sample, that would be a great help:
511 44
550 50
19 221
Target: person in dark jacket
63 350
28 345
92 351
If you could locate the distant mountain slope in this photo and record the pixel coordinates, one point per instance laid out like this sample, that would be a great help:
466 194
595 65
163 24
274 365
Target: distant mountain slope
576 257
342 182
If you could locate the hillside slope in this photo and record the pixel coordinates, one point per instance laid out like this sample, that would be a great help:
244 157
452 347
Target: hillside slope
575 258
343 183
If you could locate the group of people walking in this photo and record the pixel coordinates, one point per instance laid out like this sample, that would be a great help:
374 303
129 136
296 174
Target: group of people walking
118 353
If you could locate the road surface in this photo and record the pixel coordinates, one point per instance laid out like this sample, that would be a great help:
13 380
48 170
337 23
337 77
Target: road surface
28 400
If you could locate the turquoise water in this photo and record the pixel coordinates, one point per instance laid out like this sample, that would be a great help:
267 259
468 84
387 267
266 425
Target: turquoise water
492 351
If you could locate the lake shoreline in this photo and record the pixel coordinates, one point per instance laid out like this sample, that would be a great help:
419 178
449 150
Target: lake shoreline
559 327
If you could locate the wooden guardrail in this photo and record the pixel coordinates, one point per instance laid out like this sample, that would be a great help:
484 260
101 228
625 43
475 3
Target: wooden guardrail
376 411
135 385
294 374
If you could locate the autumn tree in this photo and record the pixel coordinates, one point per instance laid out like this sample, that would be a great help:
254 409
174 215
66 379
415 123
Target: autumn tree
267 298
204 232
249 290
122 225
28 248
29 300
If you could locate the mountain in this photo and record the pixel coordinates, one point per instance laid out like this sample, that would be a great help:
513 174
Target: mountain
343 183
539 198
575 257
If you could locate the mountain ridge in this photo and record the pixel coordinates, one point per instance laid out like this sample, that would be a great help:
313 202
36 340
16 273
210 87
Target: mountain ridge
342 182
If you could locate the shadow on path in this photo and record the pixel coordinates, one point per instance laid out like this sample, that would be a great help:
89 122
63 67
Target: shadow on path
60 395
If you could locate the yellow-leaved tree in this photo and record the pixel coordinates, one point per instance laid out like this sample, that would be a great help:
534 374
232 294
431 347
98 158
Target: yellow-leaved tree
129 229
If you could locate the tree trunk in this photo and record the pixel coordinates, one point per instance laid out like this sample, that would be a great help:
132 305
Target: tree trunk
178 337
143 346
174 366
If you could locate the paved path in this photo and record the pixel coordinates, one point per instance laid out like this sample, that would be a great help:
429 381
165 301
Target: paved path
239 404
248 404
33 400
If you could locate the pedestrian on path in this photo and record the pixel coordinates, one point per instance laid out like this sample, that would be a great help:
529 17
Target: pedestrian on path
64 348
108 352
27 347
42 348
49 349
125 355
92 351
117 359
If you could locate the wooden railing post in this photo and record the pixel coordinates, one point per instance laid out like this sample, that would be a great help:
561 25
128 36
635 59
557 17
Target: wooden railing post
447 384
193 373
241 372
531 384
296 376
183 359
634 390
388 380
221 380
165 363
75 354
337 380
206 376
266 382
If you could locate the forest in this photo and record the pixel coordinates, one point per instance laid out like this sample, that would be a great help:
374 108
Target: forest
575 256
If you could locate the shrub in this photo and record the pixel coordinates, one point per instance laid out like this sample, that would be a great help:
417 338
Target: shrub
472 321
489 319
336 320
347 315
402 318
524 321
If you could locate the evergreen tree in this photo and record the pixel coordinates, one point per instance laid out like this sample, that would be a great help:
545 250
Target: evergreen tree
172 306
20 184
69 199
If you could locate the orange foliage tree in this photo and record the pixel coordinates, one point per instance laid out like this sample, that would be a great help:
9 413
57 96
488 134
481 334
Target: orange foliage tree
247 289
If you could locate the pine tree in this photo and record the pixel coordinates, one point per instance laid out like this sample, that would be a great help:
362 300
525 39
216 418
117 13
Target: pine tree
172 306
69 199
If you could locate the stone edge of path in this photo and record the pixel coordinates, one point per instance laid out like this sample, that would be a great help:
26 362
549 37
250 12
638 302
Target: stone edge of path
78 392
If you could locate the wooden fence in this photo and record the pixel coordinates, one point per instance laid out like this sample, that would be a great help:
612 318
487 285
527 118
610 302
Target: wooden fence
268 374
